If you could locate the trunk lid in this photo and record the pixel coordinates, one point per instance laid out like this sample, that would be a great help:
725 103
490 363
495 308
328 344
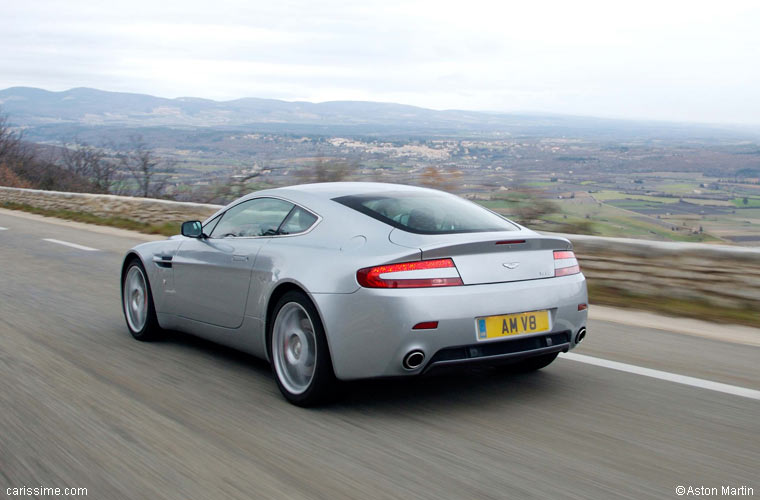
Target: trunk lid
493 257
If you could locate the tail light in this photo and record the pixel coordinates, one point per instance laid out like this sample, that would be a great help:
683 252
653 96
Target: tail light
565 263
419 274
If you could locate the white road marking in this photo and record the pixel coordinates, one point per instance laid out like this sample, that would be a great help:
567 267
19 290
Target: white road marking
72 245
671 377
3 228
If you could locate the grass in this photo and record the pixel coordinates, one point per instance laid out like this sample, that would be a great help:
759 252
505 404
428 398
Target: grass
607 195
748 213
708 202
605 220
633 204
703 310
679 187
751 202
620 227
166 228
610 220
495 204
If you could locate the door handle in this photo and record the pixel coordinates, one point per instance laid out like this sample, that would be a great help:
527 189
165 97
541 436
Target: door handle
240 258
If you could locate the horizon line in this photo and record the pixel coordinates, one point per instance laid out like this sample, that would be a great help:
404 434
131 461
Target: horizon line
732 125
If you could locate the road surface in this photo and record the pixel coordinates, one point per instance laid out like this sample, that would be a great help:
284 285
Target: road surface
84 405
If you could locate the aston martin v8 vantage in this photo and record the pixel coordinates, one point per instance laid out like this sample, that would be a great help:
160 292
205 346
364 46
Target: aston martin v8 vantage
343 281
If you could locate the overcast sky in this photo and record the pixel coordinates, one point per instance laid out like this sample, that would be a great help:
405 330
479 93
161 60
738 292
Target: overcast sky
667 60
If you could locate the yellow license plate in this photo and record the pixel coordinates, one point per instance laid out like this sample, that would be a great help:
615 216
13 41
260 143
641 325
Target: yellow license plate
506 325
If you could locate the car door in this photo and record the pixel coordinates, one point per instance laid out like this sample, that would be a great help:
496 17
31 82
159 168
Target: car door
212 275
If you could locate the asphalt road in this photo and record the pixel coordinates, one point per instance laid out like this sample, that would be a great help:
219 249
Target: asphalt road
82 404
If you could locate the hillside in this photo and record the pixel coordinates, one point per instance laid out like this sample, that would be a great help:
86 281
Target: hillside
32 107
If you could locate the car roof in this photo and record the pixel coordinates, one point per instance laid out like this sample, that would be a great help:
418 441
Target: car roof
318 197
335 189
322 193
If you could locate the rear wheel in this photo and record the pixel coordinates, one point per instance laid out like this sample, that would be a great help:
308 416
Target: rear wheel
532 364
298 351
137 303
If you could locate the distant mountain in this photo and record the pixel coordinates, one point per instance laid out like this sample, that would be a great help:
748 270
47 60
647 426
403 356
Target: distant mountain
37 108
97 107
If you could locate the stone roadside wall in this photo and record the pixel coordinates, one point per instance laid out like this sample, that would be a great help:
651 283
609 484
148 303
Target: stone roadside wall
722 275
725 276
106 205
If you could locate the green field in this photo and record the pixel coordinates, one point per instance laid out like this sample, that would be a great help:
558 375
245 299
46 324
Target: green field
608 195
585 215
751 202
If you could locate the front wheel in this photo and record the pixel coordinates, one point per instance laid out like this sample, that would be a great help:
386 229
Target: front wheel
298 351
137 303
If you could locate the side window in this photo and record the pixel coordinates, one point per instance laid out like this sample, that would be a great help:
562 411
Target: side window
257 217
210 225
298 221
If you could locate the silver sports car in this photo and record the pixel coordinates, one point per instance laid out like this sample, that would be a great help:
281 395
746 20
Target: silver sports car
342 281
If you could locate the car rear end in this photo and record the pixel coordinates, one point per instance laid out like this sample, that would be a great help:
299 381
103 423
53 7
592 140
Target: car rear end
498 293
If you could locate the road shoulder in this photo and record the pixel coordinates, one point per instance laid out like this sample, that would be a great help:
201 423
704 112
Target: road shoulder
737 334
112 231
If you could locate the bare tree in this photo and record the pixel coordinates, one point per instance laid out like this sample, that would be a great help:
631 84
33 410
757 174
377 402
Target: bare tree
10 178
11 143
90 163
148 171
228 189
324 170
444 180
24 164
236 187
10 146
527 206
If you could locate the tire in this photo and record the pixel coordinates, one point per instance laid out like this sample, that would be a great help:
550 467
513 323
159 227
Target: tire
298 351
532 364
137 303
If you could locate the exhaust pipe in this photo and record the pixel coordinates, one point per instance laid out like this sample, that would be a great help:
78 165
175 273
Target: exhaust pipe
413 360
580 335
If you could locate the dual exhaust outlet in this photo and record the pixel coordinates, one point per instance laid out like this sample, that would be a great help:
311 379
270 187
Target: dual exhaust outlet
580 335
413 359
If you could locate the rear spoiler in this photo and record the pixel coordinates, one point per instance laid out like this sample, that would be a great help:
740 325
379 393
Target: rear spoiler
501 245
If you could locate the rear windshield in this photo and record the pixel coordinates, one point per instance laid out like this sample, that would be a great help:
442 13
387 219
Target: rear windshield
427 212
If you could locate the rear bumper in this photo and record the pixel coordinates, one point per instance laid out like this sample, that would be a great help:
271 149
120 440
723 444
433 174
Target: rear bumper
504 351
370 331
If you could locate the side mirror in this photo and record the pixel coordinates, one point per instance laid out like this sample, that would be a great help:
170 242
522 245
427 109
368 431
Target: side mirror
192 229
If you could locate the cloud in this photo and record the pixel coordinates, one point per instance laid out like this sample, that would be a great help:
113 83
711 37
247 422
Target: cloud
663 60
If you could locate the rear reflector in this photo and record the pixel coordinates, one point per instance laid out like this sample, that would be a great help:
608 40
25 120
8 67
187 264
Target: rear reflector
582 307
565 263
419 274
426 325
